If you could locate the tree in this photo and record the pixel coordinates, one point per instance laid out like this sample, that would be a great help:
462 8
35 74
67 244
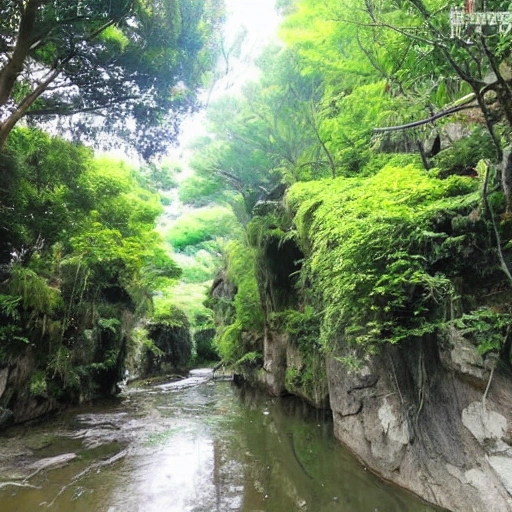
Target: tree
79 260
263 137
235 155
42 194
351 94
480 59
116 63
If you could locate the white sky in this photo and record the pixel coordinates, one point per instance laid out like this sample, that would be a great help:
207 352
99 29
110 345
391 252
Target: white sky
258 16
261 21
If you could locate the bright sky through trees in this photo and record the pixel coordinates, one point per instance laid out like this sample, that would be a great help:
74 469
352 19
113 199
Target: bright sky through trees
260 19
259 16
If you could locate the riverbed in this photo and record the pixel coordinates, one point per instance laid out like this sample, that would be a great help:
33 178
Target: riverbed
195 445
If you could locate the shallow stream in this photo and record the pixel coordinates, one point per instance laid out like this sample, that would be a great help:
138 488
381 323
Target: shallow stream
190 446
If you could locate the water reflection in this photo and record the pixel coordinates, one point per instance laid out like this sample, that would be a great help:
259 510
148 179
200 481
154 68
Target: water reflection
210 447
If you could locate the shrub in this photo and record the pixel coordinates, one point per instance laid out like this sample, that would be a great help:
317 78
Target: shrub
381 251
203 341
463 156
202 225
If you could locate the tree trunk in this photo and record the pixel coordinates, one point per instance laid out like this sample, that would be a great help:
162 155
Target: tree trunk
7 126
24 41
506 178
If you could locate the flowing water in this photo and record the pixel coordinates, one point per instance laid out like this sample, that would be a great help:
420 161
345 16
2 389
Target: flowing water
191 446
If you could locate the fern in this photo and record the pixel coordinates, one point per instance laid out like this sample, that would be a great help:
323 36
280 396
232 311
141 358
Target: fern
372 244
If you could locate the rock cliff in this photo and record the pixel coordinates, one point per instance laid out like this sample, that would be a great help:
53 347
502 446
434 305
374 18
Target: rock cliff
383 299
431 419
435 418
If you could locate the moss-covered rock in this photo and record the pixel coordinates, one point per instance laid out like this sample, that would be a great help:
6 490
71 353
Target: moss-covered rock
171 341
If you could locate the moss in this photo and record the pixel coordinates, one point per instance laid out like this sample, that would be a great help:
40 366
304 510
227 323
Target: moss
170 334
383 252
243 313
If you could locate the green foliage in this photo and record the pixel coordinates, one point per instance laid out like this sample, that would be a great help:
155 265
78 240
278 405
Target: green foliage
161 175
274 224
60 365
379 160
141 350
247 319
79 261
202 225
487 327
111 324
33 291
348 131
241 271
379 259
150 348
304 328
240 163
9 306
203 341
383 250
292 378
229 344
201 191
259 138
12 340
159 268
169 314
250 359
170 333
43 196
463 156
200 265
38 385
188 297
115 38
309 379
138 61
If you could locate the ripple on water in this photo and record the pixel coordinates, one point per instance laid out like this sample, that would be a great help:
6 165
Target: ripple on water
197 446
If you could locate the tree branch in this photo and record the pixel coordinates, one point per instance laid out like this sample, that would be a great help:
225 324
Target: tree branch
9 73
489 210
430 119
71 110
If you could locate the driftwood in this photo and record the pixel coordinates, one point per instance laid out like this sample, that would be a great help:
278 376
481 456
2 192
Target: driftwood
38 466
86 471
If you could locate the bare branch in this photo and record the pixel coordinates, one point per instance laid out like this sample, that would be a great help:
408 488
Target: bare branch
430 119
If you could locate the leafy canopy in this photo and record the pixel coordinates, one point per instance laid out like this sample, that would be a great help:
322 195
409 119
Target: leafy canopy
129 67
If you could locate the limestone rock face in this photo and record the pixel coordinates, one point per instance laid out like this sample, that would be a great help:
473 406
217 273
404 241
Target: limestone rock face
418 415
17 404
274 367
